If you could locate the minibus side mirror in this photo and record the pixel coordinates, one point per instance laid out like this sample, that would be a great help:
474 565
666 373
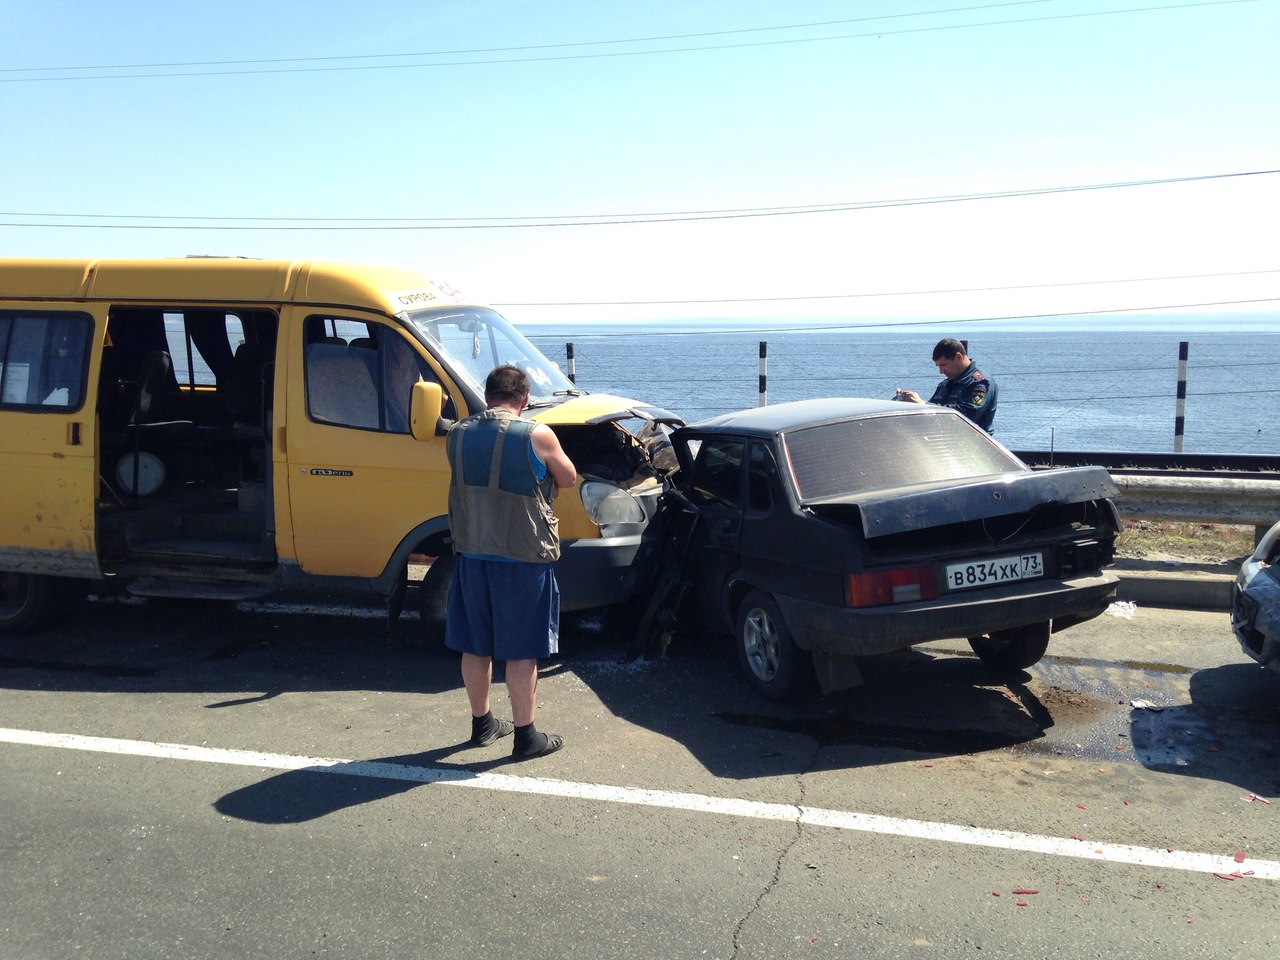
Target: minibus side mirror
425 404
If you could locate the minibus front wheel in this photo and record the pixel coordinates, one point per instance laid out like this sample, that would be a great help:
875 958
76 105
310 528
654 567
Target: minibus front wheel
433 596
27 601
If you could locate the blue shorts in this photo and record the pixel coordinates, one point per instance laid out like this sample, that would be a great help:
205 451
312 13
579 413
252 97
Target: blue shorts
508 611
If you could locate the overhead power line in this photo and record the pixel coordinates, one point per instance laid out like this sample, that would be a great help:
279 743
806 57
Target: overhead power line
897 324
199 222
883 293
586 56
516 49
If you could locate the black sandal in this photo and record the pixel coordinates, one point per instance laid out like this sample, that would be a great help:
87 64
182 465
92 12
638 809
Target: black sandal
493 731
540 745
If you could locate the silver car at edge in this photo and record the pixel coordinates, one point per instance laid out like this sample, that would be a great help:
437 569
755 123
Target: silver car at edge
1255 602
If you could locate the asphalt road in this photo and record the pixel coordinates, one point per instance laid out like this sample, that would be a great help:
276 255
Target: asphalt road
199 780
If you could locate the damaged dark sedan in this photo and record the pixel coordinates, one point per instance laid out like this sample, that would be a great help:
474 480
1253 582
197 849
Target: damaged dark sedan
822 531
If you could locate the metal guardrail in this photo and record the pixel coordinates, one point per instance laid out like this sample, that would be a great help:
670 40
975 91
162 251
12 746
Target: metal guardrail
1201 499
1220 464
1204 488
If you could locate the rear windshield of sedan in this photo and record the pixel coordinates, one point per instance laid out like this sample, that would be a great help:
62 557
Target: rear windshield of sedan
877 453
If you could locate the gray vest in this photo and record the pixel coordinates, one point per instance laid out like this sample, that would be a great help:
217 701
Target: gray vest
497 506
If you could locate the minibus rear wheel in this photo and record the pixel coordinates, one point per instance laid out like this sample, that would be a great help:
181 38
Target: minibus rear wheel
26 601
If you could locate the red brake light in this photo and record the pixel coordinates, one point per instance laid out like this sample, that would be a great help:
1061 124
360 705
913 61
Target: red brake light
876 588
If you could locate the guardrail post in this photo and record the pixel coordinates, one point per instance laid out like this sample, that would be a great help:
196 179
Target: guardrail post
764 374
1180 416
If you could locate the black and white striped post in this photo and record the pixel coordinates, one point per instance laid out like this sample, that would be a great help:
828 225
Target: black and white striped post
1180 416
764 374
573 370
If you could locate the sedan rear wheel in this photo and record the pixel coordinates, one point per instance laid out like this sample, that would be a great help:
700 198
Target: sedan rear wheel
776 667
1013 649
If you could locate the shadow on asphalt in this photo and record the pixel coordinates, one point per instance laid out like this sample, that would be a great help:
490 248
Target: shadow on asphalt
301 795
1230 731
911 704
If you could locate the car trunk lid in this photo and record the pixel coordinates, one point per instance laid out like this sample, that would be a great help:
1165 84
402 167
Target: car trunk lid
887 512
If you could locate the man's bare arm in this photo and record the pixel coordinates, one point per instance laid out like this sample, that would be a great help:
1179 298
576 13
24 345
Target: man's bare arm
547 445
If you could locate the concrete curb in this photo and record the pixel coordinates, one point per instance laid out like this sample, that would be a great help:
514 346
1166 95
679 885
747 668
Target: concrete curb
1165 585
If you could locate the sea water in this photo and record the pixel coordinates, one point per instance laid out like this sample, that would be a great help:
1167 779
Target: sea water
1085 386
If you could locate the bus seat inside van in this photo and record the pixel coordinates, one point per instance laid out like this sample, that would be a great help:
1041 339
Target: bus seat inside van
249 385
341 386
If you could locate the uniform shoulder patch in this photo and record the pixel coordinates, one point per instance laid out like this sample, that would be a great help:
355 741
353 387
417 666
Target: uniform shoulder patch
978 397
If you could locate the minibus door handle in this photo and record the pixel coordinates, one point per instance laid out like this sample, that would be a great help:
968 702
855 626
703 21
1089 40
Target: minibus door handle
73 434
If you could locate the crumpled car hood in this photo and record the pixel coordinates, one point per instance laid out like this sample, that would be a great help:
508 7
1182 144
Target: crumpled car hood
601 408
886 512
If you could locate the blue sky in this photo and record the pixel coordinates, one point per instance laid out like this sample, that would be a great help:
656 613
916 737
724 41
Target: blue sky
295 122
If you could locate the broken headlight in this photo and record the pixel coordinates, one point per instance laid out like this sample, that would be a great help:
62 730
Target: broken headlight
608 503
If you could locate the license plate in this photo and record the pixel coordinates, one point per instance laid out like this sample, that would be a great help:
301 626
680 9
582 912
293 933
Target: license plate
986 573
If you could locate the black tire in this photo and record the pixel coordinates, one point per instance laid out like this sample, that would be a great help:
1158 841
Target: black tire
769 658
433 597
27 601
1014 649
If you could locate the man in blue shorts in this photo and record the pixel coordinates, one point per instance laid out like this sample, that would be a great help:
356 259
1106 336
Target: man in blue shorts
966 387
504 601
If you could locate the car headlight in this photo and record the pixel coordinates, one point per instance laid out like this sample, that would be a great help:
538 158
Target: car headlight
609 503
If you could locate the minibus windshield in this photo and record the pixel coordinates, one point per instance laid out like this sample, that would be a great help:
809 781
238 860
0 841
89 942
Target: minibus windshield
474 340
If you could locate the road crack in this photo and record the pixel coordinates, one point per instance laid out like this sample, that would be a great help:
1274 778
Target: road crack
779 859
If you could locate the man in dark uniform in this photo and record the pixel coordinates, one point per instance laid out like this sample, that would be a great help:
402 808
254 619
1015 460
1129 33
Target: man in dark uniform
966 387
504 601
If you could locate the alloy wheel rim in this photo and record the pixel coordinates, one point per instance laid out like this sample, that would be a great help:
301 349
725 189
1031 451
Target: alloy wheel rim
761 644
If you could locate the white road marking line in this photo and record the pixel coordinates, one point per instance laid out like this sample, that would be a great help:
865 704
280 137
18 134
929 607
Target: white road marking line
691 802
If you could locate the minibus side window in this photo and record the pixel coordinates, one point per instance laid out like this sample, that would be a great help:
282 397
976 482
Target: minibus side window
360 374
42 360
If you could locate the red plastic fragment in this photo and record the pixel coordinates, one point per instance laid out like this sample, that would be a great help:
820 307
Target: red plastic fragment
1079 806
1240 856
1021 903
1021 892
1074 837
995 893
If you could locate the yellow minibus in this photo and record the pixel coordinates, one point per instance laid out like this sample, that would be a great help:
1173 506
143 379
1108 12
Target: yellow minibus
227 428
